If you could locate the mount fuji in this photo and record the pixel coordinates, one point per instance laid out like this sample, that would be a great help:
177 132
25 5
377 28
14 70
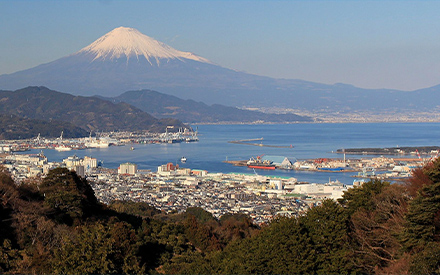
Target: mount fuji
126 60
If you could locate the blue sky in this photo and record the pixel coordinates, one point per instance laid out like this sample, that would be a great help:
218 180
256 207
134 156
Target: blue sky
370 44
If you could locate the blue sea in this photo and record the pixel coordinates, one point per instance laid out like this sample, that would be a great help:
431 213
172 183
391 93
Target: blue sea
314 140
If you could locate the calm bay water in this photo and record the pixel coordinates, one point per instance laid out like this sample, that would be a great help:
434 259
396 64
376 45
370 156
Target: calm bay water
308 141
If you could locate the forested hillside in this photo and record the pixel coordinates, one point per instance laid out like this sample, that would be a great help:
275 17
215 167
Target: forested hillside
56 225
14 127
88 113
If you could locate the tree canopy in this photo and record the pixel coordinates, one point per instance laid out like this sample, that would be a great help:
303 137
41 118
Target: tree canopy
56 225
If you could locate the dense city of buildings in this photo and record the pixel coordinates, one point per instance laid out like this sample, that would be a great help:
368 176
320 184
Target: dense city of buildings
172 188
359 116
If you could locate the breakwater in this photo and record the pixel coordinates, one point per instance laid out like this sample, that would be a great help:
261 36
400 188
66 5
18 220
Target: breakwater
415 150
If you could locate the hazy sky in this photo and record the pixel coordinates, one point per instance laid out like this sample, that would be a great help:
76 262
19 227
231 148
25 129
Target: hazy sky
370 44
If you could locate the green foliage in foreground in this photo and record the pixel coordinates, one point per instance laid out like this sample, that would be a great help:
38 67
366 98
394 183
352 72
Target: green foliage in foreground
316 243
99 248
56 225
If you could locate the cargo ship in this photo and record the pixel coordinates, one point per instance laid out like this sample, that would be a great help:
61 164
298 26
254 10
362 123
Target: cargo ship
258 163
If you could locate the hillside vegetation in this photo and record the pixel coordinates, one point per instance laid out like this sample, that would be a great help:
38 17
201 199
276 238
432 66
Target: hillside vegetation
56 225
13 127
88 113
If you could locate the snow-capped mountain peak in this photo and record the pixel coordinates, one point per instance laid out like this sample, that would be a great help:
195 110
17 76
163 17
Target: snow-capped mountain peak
130 43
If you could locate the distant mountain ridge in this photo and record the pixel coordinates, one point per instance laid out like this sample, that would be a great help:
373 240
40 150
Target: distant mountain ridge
165 106
126 60
88 113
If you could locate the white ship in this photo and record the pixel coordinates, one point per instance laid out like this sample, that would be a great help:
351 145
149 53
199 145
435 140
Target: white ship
96 144
62 148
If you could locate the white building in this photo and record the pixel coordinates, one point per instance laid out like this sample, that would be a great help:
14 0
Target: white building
72 161
89 162
322 190
276 184
127 168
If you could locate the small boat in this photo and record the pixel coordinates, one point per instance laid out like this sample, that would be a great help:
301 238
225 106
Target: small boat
131 148
183 160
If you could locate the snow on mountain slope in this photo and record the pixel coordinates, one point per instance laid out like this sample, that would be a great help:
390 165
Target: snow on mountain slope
130 42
